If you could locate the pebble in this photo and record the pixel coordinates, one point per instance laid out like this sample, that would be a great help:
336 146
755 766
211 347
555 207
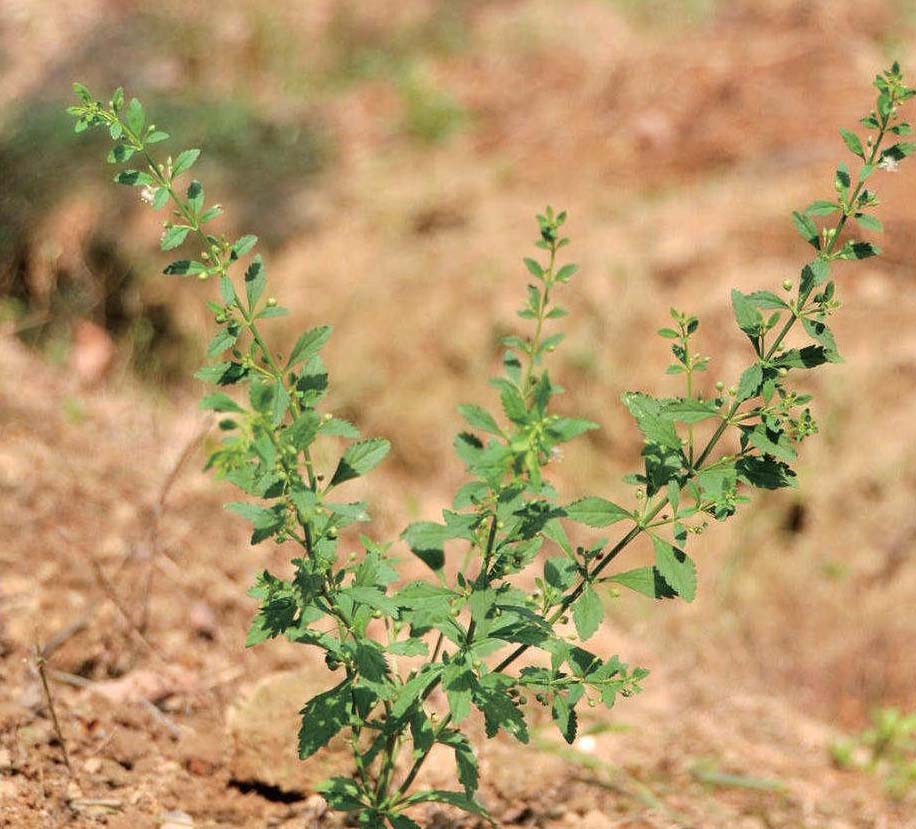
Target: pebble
175 820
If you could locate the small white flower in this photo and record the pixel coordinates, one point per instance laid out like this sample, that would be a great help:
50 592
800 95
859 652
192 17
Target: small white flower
889 163
147 193
556 454
586 744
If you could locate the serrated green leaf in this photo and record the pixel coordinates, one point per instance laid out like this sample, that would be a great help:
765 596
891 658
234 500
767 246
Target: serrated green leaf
807 229
458 799
656 428
513 405
160 199
465 759
588 612
135 117
360 458
220 402
749 384
747 316
223 339
853 143
564 429
567 271
341 793
242 246
564 715
596 512
132 178
185 161
323 717
690 411
769 444
822 207
676 568
173 237
195 195
645 580
255 280
479 418
534 268
308 345
869 222
185 267
766 299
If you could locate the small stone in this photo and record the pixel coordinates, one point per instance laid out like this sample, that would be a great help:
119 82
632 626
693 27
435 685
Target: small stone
74 792
175 820
6 759
594 820
92 766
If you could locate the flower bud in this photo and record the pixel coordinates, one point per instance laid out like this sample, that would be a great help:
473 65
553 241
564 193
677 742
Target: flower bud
787 285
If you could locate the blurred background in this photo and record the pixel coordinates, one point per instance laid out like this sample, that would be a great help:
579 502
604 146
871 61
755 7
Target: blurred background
391 158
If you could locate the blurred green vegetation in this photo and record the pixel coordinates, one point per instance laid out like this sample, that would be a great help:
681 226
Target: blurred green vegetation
262 162
886 748
261 129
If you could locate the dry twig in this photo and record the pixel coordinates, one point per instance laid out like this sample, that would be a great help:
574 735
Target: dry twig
40 667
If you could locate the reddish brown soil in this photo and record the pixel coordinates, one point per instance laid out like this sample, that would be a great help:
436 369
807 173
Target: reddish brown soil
680 148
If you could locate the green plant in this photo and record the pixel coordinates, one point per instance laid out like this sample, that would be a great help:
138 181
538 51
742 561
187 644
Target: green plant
453 631
887 747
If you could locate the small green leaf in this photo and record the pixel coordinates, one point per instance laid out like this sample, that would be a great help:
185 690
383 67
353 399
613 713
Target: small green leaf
479 418
184 161
869 222
242 246
135 117
465 759
342 794
322 719
133 178
173 237
462 801
748 317
534 268
564 715
196 196
749 384
161 198
690 411
255 280
822 208
220 402
807 229
360 458
596 512
676 568
645 580
223 339
308 345
588 613
567 271
185 267
853 143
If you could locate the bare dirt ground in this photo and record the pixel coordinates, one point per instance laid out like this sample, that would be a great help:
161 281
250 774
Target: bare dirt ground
680 143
